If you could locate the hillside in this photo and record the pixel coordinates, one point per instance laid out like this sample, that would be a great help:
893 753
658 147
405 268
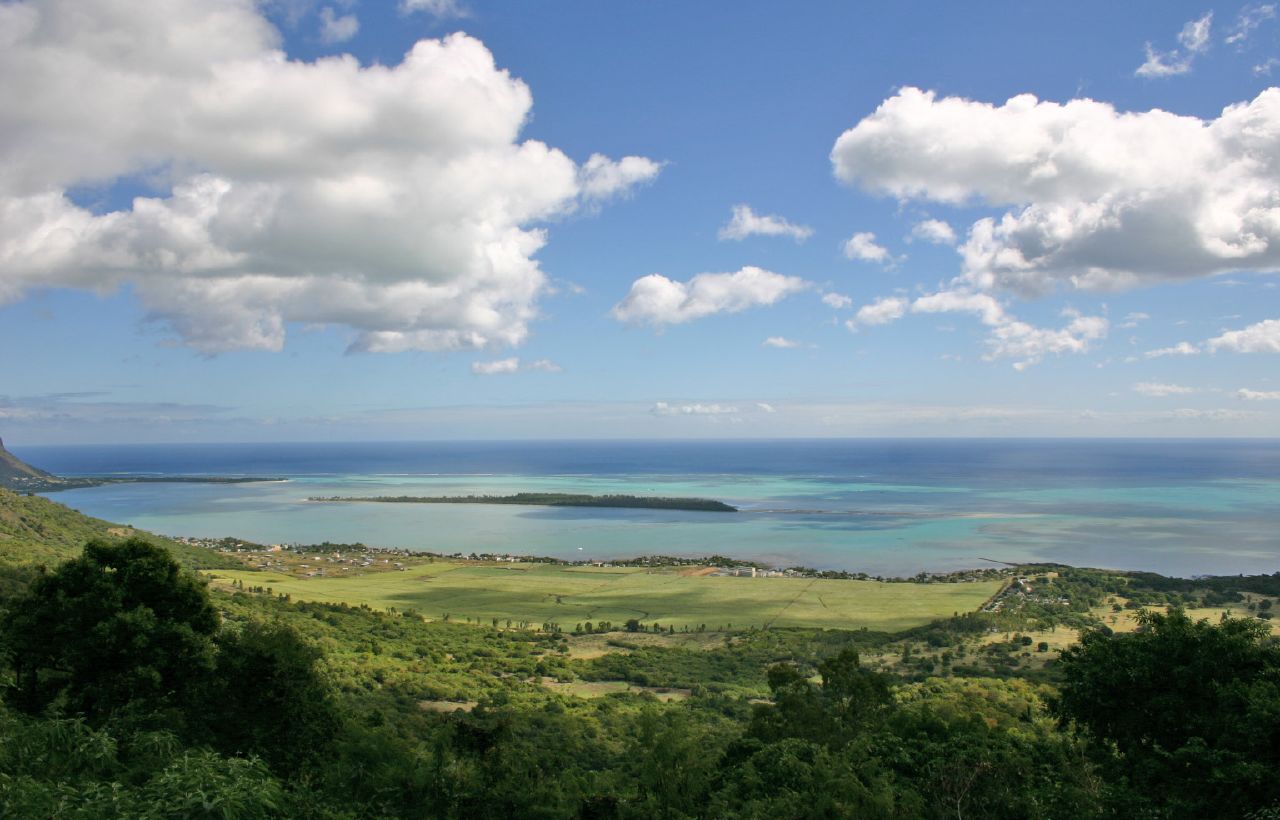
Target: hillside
14 471
35 530
18 475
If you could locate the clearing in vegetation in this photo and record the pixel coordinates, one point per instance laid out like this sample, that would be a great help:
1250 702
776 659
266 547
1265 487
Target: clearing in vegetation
537 594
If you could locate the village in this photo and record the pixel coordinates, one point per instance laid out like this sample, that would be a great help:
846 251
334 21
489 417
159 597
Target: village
328 559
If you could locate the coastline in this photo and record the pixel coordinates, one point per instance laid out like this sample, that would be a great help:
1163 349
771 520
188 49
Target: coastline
885 508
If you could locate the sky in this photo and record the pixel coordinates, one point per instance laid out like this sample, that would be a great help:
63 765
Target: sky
316 220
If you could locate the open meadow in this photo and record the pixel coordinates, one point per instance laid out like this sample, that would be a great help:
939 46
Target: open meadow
570 595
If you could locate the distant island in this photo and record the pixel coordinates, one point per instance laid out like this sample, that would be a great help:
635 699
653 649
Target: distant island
551 500
19 476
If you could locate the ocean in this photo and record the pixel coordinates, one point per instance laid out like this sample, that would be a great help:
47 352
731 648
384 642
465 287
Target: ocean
886 507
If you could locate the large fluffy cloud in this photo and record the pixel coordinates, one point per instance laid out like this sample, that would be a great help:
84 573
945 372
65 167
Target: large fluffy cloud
657 300
396 200
1095 198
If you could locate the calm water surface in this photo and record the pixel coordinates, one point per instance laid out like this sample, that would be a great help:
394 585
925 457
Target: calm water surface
892 507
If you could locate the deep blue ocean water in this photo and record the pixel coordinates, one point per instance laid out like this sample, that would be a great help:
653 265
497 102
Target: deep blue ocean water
881 506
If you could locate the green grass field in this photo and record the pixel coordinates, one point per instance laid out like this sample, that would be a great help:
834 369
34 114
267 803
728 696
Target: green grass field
539 593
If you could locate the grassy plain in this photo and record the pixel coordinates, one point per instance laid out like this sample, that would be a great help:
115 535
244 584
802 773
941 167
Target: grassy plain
567 595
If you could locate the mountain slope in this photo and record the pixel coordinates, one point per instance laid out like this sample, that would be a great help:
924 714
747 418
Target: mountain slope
14 470
18 475
35 530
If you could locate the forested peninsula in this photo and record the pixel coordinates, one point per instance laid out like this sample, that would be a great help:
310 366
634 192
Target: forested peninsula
550 500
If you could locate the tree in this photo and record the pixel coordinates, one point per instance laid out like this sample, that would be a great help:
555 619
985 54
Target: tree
267 697
850 699
119 626
1192 711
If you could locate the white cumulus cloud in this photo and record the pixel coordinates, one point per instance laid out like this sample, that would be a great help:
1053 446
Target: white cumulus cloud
1009 337
1219 414
438 8
657 300
1263 337
863 247
935 231
602 178
501 367
745 222
335 29
1030 344
780 341
395 200
662 408
1094 198
1158 390
1249 19
837 300
495 368
983 305
1258 395
1194 38
1180 349
880 312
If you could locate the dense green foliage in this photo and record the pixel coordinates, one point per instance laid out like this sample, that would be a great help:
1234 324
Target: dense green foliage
1187 712
265 696
132 690
122 650
60 767
554 500
121 626
313 710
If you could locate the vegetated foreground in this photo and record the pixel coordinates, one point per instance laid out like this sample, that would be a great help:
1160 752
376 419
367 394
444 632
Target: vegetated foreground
640 502
130 689
539 593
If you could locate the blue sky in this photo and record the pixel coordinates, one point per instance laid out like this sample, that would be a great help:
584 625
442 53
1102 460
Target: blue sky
1007 220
